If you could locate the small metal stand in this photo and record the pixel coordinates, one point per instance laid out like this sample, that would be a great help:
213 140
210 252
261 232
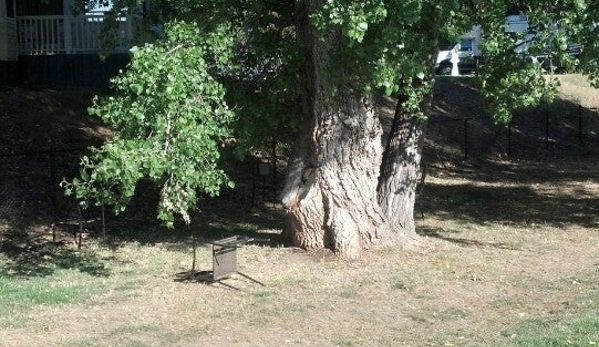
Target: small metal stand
224 262
224 256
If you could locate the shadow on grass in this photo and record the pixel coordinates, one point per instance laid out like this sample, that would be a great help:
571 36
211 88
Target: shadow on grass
510 205
38 258
219 218
553 172
441 234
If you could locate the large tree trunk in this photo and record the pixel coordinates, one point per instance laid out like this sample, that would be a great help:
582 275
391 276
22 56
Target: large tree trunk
331 189
330 193
400 169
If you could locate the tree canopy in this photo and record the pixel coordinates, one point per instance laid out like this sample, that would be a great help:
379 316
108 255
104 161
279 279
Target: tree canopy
247 71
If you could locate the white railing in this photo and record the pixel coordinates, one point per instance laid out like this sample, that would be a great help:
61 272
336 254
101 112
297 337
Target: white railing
70 34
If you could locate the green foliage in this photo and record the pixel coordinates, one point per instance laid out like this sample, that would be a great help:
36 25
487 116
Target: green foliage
169 117
586 22
391 45
261 74
510 83
115 9
512 77
385 45
262 88
353 16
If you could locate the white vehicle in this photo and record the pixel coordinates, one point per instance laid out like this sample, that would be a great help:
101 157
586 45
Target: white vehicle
468 47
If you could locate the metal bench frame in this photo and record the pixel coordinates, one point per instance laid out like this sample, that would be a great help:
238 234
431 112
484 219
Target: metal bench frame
224 258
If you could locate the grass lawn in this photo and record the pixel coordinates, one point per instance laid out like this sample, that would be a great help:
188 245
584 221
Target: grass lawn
486 274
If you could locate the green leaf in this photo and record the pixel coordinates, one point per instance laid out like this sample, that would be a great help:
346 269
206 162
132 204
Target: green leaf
168 134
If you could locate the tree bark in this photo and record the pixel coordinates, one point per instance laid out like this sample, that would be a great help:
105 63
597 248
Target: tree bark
331 189
400 168
342 192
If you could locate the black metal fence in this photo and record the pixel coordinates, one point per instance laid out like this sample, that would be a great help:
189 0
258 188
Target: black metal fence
30 192
558 125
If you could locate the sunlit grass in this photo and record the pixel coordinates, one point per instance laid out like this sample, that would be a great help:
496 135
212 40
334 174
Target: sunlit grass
18 296
38 291
577 88
580 330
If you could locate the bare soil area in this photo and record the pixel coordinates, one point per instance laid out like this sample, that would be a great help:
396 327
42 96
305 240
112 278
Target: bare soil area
510 235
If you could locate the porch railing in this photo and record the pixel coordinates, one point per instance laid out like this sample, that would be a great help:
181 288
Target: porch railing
70 34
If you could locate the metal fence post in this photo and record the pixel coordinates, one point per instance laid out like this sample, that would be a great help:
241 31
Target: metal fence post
466 138
547 128
580 123
509 138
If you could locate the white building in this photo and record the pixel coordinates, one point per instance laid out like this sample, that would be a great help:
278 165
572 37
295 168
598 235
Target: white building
50 30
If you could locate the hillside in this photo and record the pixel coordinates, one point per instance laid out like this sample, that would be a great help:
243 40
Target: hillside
536 134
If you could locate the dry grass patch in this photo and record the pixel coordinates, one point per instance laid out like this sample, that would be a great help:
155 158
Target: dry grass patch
503 253
578 88
468 287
